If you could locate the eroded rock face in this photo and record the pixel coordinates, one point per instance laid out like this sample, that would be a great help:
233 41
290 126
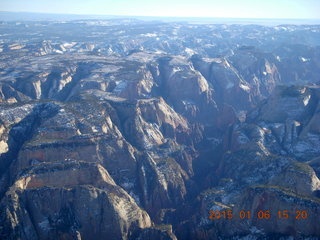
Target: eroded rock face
140 131
68 152
261 174
82 211
271 202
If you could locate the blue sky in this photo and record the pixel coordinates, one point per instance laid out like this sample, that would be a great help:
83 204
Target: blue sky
308 9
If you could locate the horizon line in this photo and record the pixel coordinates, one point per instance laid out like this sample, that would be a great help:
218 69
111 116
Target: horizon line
151 16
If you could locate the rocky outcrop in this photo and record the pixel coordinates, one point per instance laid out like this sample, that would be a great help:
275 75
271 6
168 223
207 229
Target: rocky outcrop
261 182
63 143
134 130
81 211
285 213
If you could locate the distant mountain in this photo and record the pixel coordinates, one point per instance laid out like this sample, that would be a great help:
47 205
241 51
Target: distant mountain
132 129
36 16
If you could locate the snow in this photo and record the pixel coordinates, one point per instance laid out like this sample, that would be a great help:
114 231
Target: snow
216 60
226 63
187 102
302 59
217 207
120 86
94 129
157 51
161 170
162 180
189 51
176 69
16 46
309 146
58 51
244 87
149 35
242 115
315 183
306 100
14 115
145 191
280 28
263 148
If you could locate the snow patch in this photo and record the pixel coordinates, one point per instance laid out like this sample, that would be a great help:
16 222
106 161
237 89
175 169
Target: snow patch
149 35
242 115
69 45
306 100
302 59
94 129
188 102
278 28
58 51
244 87
145 191
16 46
216 60
176 69
226 64
189 51
162 180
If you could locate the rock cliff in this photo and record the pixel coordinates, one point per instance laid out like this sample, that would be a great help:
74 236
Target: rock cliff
149 130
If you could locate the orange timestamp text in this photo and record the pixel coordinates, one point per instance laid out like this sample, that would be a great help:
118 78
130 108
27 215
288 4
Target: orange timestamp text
260 214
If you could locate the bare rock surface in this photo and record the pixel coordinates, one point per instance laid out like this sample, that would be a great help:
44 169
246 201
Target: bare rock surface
126 129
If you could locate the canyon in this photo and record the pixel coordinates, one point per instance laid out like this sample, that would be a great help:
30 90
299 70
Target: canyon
131 129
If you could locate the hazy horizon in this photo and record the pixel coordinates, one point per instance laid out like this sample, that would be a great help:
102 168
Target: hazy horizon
31 16
272 9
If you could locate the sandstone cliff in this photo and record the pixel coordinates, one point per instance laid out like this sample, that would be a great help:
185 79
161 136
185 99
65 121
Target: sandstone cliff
135 130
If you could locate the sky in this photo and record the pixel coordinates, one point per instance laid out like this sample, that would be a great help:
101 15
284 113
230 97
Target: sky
288 9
